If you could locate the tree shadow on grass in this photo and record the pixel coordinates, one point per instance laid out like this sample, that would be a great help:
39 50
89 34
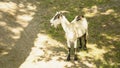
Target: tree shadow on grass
106 36
102 28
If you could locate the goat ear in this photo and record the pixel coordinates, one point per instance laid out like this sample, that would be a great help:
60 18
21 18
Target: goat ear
78 18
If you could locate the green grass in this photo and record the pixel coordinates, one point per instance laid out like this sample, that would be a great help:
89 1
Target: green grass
18 39
104 28
98 24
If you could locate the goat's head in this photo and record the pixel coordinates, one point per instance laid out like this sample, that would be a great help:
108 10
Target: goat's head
56 20
78 18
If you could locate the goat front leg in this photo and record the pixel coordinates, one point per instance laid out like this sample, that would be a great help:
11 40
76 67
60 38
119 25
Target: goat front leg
69 49
75 50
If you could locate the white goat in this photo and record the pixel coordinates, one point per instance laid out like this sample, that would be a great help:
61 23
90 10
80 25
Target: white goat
81 24
73 31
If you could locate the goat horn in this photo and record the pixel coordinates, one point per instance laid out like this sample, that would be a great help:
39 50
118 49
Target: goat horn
64 11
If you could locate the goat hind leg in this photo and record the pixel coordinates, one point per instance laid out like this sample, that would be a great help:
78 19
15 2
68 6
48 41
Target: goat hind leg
85 39
80 41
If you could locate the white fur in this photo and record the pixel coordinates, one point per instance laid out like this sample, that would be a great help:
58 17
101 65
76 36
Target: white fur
73 30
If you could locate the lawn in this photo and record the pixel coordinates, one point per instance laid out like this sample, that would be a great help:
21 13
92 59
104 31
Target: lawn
25 30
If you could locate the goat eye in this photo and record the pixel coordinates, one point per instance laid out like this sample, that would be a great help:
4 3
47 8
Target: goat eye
57 17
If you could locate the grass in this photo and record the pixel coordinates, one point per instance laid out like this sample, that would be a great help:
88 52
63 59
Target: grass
99 24
104 31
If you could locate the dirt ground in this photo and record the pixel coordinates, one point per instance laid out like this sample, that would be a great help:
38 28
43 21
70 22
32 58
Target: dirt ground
26 42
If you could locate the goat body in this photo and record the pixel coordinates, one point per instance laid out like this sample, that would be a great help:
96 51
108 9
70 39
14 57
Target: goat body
74 30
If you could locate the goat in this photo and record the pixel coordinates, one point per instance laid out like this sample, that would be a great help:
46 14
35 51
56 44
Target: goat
74 30
81 24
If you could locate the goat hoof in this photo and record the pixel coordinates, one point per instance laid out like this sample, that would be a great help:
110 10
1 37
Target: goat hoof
80 47
85 48
75 58
68 59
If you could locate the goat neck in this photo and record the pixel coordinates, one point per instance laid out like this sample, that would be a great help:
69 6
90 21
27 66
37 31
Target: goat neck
65 23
